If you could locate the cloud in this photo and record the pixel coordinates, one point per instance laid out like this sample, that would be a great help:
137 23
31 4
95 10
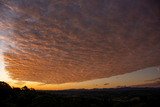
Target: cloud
54 41
20 83
106 84
153 80
151 84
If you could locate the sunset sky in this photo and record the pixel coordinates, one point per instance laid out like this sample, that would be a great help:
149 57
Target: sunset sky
72 44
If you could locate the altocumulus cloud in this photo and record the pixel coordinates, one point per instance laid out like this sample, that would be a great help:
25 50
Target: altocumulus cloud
59 41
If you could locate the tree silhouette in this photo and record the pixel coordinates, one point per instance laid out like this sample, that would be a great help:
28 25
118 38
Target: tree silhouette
25 88
4 86
5 90
16 89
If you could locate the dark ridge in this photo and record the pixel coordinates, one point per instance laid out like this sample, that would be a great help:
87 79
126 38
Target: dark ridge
112 97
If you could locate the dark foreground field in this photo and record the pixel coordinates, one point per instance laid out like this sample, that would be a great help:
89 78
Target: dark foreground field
121 97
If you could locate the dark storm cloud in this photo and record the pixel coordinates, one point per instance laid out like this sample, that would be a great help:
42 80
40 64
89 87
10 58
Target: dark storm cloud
58 41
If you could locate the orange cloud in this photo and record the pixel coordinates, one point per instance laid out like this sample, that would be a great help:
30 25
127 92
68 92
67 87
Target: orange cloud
72 41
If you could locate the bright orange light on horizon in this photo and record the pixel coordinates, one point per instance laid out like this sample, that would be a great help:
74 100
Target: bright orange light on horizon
98 83
4 76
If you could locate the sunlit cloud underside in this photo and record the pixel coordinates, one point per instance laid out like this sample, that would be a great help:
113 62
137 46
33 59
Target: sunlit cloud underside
149 77
57 42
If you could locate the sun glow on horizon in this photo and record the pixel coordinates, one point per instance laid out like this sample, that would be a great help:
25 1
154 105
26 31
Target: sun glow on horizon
110 82
4 75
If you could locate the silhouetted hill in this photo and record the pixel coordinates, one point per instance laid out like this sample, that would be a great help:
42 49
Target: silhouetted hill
113 97
5 90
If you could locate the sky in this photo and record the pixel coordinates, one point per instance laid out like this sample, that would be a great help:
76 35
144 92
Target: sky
52 44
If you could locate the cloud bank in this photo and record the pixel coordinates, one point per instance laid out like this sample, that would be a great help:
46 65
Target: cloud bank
60 41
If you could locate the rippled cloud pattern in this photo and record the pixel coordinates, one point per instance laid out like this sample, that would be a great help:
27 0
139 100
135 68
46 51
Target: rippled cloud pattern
60 41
